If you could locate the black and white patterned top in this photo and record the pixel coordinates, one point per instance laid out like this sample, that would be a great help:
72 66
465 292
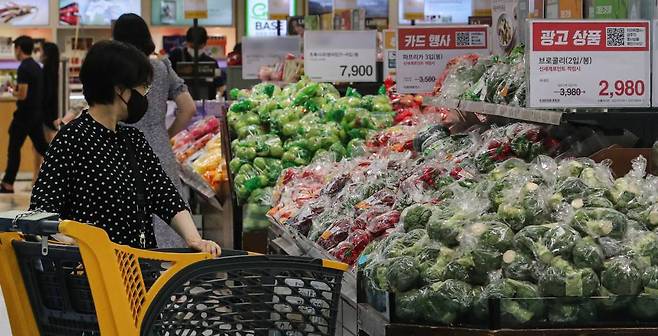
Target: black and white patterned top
86 177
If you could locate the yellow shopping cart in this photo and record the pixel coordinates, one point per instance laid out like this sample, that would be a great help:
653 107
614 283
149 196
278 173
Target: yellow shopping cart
98 287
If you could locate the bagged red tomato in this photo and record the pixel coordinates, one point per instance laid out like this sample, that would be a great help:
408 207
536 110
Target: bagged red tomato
383 222
344 252
360 239
361 221
335 234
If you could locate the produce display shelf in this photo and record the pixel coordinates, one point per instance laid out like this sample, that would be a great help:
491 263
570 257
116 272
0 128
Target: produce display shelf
513 112
296 244
199 185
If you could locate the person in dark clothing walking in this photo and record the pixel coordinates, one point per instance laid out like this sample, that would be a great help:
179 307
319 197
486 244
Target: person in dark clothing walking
196 36
50 60
28 118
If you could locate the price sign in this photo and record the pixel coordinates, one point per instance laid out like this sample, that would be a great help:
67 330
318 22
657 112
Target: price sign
266 50
424 52
589 64
340 56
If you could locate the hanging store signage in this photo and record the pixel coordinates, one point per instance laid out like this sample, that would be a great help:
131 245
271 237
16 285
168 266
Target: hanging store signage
278 9
266 51
413 9
196 9
424 52
340 56
589 64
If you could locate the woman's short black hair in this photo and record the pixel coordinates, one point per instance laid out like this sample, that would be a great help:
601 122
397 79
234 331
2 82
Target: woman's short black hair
132 29
197 36
111 64
26 44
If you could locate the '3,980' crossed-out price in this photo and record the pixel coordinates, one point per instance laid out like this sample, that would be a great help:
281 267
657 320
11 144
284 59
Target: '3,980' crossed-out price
621 88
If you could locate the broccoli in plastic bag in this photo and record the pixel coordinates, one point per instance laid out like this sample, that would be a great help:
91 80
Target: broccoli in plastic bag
570 311
646 304
588 254
444 302
560 240
621 276
562 279
402 274
406 306
416 217
597 222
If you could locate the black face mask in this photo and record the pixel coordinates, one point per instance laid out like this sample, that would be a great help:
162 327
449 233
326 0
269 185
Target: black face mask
137 106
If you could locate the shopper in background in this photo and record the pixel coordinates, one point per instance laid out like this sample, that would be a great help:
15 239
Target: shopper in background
103 173
132 29
49 58
28 117
197 36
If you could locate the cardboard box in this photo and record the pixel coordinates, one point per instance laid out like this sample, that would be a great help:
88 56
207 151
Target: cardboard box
621 159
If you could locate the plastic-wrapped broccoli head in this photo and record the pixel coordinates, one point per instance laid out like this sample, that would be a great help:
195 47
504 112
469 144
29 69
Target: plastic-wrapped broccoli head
525 305
416 217
435 271
621 276
644 248
406 306
518 266
560 240
445 230
444 302
464 269
562 279
517 301
529 241
496 236
646 304
570 311
588 254
600 222
402 274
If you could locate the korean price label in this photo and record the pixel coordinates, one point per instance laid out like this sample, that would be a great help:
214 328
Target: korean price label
266 51
340 56
589 64
424 52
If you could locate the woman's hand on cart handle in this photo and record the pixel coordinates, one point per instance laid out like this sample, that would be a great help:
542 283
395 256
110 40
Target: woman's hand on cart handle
183 224
208 246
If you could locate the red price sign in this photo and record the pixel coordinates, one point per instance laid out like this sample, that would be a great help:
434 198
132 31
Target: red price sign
589 64
423 52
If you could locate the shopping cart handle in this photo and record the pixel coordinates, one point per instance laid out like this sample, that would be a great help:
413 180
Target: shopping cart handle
225 252
30 222
39 228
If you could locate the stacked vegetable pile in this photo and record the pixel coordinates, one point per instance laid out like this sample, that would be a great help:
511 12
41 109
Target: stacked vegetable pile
495 79
522 232
200 148
280 128
345 205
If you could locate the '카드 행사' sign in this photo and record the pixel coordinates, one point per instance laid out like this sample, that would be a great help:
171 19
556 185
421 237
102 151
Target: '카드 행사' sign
424 52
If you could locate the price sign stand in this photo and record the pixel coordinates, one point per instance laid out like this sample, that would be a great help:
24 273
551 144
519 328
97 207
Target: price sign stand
340 56
423 52
589 64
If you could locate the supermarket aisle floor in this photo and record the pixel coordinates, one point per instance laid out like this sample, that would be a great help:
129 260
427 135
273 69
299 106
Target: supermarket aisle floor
18 201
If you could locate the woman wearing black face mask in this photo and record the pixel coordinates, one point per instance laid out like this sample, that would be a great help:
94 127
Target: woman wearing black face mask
100 172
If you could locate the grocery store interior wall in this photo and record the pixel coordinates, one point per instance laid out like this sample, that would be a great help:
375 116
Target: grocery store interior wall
55 32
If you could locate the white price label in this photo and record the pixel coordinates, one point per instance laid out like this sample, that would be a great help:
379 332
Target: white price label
265 51
424 52
340 56
589 64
